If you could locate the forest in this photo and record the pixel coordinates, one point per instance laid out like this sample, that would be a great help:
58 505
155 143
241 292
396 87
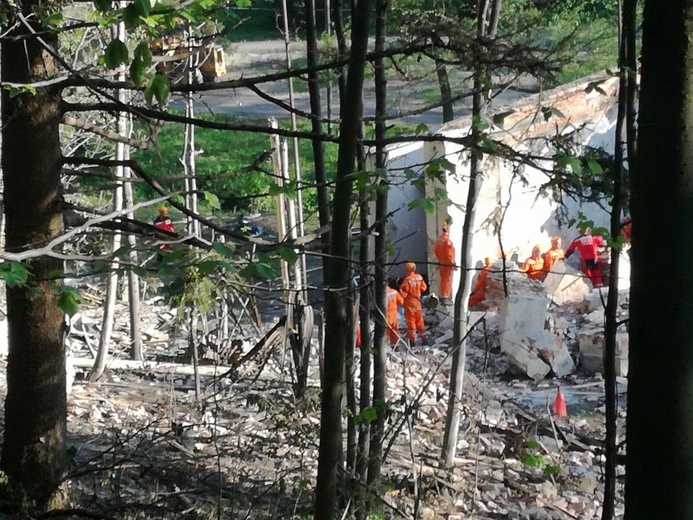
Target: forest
231 357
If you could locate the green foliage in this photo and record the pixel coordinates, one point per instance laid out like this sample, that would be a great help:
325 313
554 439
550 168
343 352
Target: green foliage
532 458
69 300
192 280
15 274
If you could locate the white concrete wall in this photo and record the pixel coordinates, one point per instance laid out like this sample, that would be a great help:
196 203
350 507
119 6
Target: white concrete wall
530 216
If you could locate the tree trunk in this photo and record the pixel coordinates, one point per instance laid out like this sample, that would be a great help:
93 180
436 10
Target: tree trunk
381 254
33 453
461 315
626 83
445 91
316 124
338 272
660 401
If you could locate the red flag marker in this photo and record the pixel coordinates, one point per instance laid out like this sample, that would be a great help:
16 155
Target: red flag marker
559 407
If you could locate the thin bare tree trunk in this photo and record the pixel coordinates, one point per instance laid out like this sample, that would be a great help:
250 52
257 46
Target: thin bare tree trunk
381 253
108 318
461 315
627 78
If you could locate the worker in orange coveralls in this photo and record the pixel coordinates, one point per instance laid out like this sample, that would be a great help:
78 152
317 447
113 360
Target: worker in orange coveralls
394 301
163 221
588 247
553 255
534 265
478 294
445 253
411 289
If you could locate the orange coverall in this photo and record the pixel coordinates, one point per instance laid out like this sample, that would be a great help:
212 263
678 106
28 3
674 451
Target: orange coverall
534 267
550 257
478 294
394 300
445 253
411 289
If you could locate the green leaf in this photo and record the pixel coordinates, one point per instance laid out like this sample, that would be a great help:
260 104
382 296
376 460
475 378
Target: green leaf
531 444
369 414
143 7
103 5
259 270
212 200
426 204
223 249
138 71
533 460
552 469
122 251
421 129
69 301
140 271
594 166
287 254
550 112
116 54
52 20
480 123
499 119
131 17
158 88
15 274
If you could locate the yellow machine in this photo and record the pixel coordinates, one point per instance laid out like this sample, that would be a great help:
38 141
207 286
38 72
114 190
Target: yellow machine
171 58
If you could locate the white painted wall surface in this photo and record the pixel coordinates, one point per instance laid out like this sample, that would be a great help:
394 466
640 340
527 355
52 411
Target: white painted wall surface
530 218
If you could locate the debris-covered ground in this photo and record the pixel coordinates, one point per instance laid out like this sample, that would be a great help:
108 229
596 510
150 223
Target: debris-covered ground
142 445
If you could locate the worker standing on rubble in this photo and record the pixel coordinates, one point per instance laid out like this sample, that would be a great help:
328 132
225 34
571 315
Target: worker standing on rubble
534 265
553 255
588 247
394 301
445 253
478 294
164 222
413 286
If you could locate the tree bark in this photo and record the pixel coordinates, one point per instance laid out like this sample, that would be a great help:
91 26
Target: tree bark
33 453
338 272
626 84
461 315
660 400
381 253
445 91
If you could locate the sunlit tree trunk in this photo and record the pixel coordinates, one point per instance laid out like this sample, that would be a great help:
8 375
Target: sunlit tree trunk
33 452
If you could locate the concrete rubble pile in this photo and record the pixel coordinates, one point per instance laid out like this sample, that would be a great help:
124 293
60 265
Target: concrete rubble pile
555 327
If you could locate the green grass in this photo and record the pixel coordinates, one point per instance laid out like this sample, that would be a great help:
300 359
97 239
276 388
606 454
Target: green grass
226 152
258 24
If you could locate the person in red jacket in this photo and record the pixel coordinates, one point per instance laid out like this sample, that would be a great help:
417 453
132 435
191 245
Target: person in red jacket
411 289
534 265
588 247
394 301
163 221
445 253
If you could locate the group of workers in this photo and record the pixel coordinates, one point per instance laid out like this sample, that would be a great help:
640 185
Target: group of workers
539 264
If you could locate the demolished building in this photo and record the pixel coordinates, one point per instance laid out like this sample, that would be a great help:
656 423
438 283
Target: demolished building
517 207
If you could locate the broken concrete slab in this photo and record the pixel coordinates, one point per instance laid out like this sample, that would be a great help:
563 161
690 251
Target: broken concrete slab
552 350
566 285
591 345
520 316
528 361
